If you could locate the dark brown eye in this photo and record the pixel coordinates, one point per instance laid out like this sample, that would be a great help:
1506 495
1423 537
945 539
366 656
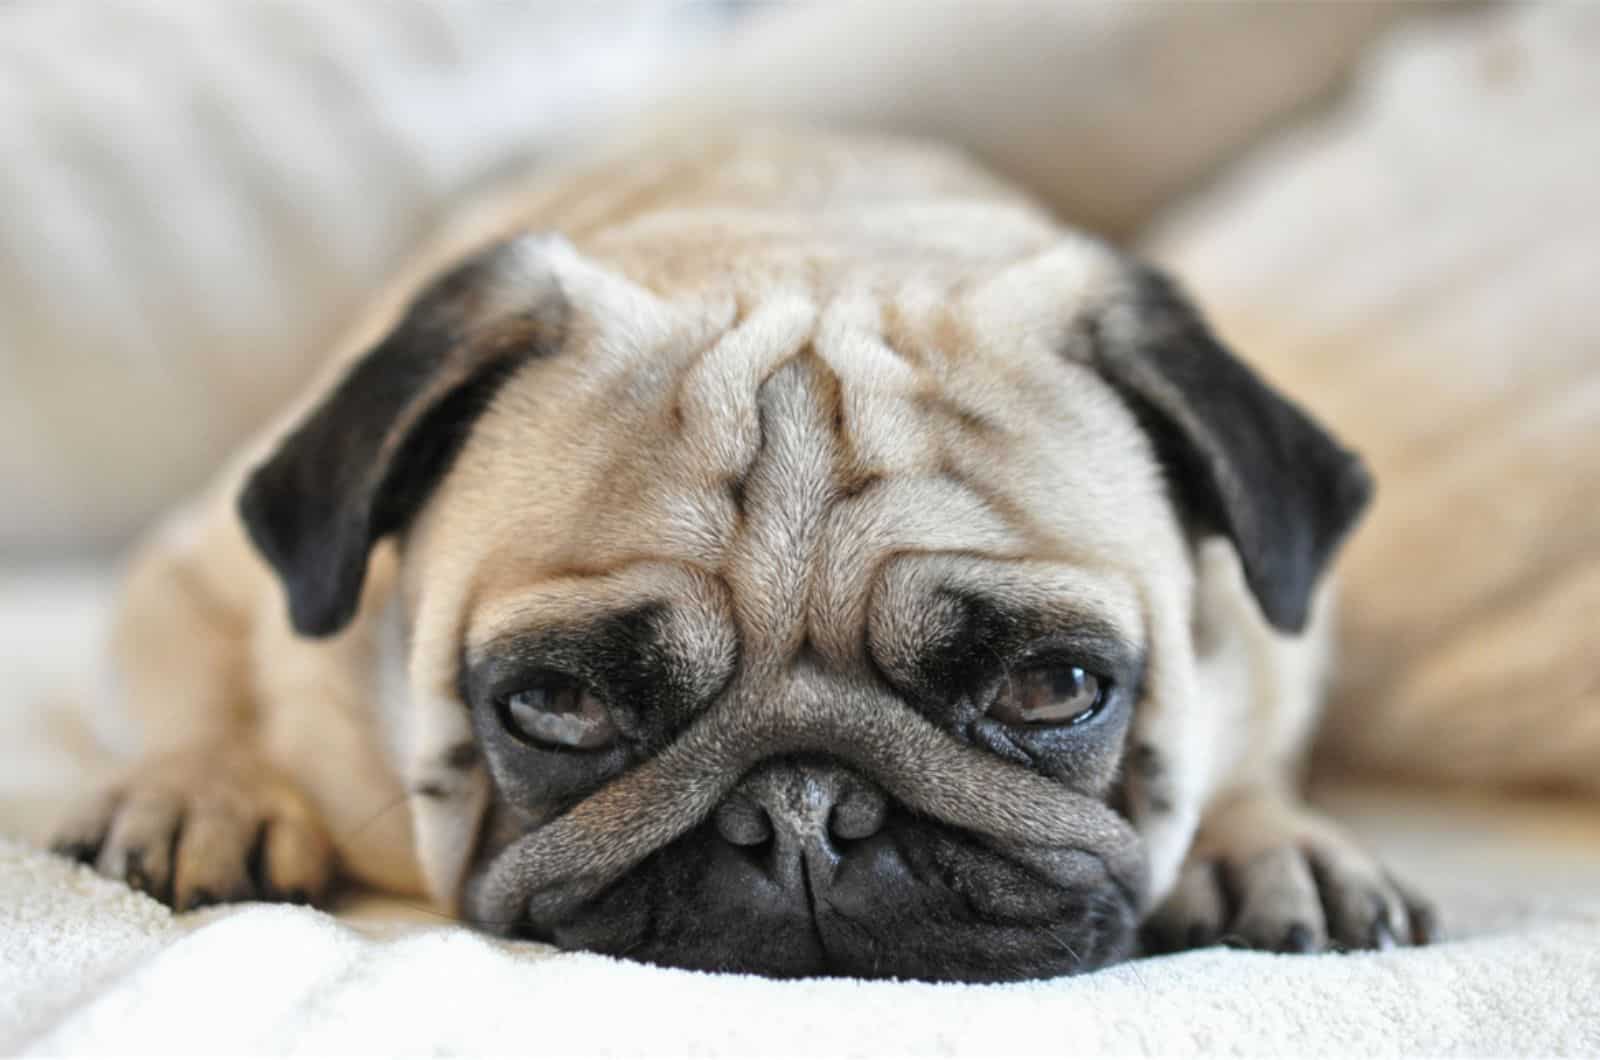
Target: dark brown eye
1049 695
558 711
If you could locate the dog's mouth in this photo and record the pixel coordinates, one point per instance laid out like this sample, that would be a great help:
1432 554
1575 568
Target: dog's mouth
916 900
847 838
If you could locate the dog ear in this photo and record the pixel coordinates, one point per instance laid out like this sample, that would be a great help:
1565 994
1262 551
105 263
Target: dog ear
1243 460
364 460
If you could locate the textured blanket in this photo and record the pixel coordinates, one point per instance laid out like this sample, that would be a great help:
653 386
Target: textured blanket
91 967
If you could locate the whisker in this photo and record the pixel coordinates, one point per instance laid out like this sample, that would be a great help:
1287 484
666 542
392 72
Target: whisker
398 800
1064 944
353 833
449 918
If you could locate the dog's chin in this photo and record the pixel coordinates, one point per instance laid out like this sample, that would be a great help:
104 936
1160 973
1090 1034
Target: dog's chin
915 901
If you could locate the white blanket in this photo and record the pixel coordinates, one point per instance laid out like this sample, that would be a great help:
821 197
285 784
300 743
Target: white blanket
93 968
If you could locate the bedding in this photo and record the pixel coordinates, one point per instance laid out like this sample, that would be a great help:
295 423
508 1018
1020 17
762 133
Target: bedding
215 190
92 968
1420 268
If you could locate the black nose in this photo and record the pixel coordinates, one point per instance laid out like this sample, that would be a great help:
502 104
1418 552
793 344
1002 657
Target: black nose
805 813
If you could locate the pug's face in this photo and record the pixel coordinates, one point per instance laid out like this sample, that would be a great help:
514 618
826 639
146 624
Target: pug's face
795 627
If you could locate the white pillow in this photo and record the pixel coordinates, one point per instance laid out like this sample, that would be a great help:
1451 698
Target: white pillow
198 195
1422 267
211 191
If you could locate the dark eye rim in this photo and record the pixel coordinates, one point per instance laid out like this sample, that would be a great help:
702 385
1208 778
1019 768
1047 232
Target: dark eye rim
501 703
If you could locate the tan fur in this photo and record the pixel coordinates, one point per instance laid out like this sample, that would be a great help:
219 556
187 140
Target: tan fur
905 314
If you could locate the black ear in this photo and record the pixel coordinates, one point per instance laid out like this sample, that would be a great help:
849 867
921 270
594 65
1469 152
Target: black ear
361 464
1244 461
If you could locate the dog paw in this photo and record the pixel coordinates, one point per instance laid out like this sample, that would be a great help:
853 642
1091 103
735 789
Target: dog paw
194 829
1305 889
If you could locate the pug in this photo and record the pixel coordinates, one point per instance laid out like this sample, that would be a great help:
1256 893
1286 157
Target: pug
773 552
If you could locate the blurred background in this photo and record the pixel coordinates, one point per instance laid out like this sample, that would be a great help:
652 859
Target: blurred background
1393 209
200 195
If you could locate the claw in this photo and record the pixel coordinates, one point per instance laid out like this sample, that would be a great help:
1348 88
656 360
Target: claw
1298 939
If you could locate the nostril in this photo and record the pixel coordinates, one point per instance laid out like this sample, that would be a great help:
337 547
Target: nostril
743 823
859 815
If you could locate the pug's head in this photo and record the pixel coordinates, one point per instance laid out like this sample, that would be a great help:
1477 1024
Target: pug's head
800 618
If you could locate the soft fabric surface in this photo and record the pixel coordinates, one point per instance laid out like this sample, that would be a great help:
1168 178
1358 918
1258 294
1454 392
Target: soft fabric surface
214 191
1420 268
92 967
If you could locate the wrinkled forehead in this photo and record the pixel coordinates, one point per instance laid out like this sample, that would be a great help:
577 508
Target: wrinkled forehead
789 450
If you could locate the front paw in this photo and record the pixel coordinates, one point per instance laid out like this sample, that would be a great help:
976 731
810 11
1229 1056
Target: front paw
1299 887
196 828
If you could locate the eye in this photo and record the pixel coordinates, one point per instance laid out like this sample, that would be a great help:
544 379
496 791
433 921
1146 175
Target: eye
1050 696
557 711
